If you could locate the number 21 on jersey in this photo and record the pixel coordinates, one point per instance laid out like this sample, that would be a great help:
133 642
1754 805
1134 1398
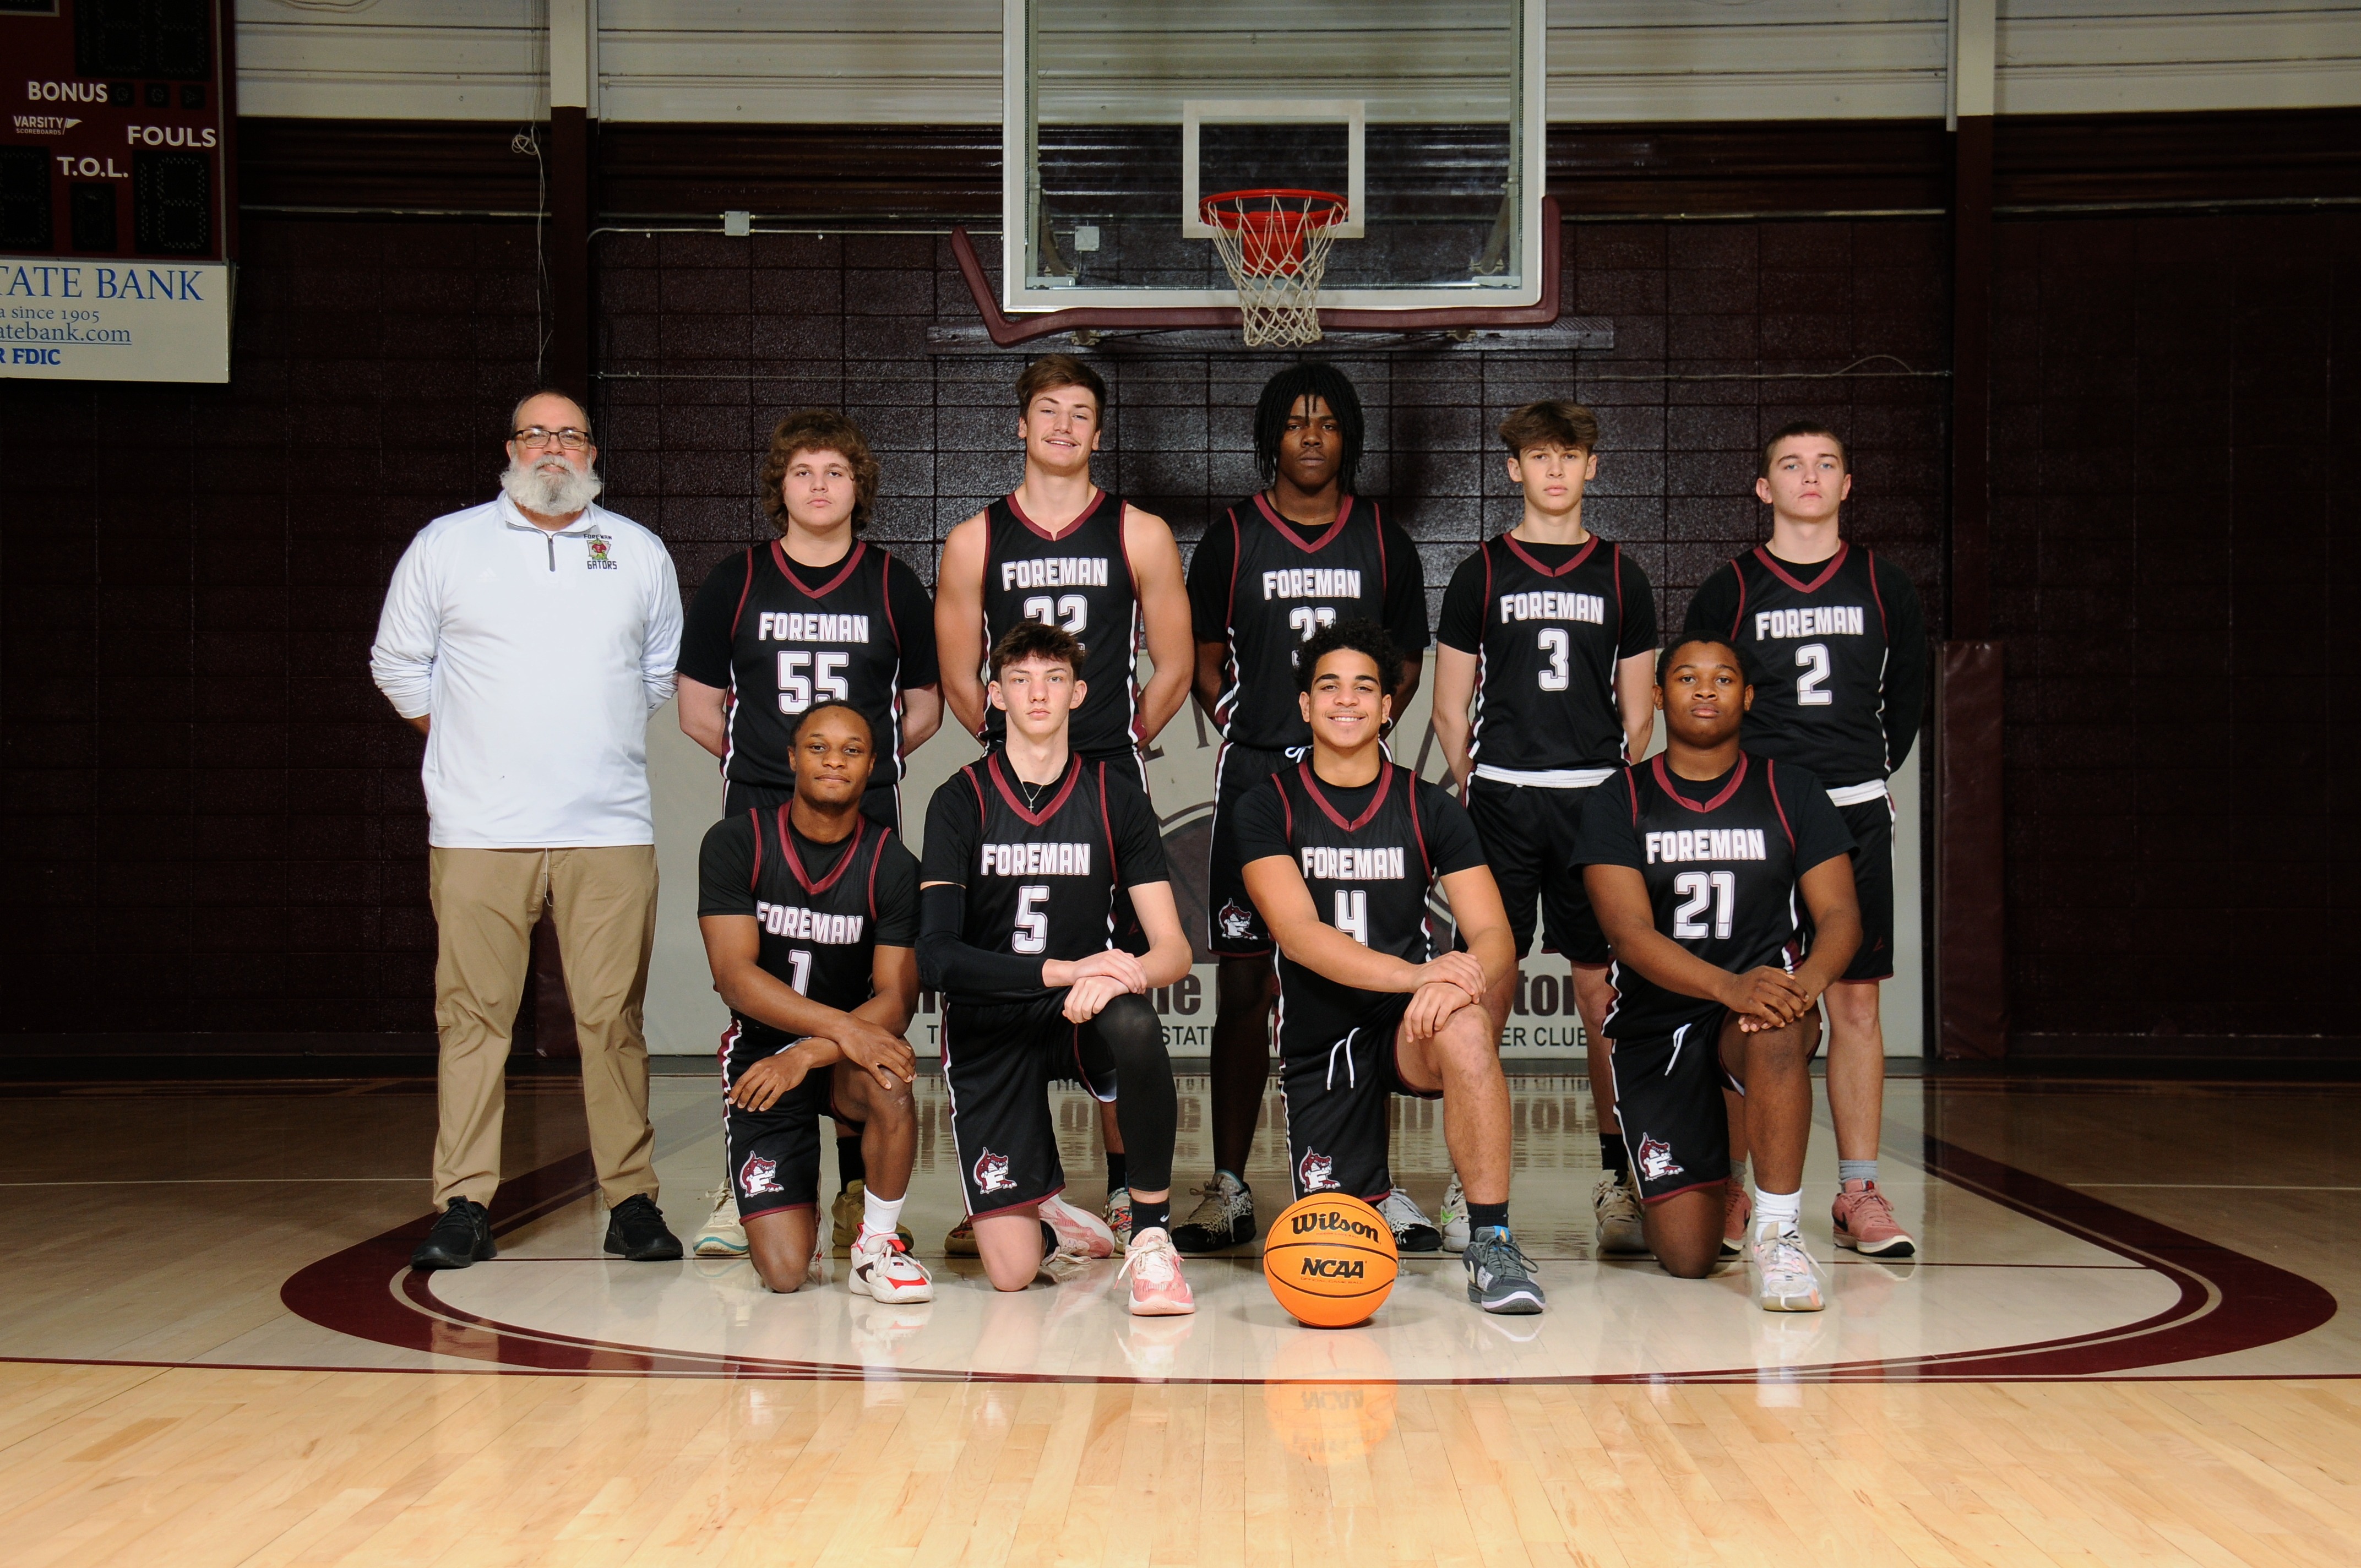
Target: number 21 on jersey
1718 889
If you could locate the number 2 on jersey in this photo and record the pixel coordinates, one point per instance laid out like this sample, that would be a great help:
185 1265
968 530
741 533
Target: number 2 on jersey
825 680
1700 888
1071 611
1558 649
1812 658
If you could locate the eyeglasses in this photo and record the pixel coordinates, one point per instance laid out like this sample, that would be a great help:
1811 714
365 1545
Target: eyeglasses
532 438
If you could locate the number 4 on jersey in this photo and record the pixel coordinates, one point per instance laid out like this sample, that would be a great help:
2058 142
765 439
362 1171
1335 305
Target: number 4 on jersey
1353 914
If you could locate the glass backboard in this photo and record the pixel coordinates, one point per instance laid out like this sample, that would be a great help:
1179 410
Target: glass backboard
1123 115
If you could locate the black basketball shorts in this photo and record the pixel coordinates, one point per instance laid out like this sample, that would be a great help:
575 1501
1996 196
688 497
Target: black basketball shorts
1236 930
1528 834
1872 825
1336 1096
999 1060
881 803
1668 1097
1124 762
773 1154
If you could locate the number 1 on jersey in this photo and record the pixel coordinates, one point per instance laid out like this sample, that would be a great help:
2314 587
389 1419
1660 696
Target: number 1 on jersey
799 970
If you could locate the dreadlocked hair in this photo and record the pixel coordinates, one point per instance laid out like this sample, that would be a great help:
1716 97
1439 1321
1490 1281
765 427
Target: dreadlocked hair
1279 396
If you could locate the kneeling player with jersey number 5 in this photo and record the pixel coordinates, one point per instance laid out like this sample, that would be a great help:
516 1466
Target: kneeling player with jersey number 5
1339 853
1694 862
809 911
1029 850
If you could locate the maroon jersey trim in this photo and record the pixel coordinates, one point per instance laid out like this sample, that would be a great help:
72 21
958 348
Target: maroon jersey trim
1311 787
1016 802
1311 547
1065 533
795 861
1575 560
1762 553
1664 783
779 559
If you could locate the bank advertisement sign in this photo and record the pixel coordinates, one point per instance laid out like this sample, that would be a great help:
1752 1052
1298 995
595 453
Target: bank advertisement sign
110 319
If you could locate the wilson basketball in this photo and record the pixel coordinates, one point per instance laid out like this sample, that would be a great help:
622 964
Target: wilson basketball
1330 1260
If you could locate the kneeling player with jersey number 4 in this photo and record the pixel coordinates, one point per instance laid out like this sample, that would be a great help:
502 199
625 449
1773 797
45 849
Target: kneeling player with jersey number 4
1339 853
1694 862
1028 850
809 912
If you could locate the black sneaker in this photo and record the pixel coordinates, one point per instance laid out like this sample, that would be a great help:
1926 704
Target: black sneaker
1413 1232
636 1229
462 1236
1224 1217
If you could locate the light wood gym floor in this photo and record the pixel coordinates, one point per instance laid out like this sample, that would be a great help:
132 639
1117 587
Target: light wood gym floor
2121 1346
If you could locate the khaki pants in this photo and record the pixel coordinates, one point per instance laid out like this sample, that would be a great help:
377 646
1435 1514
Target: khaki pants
486 902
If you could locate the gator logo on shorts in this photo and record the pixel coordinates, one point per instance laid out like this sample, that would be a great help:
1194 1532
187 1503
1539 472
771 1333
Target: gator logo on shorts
1237 921
1657 1159
758 1176
1316 1173
992 1173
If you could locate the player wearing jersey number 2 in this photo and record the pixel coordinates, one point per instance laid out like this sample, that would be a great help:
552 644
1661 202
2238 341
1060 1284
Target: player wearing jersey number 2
1837 648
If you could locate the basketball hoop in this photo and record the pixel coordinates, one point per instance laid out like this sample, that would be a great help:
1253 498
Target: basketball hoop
1275 244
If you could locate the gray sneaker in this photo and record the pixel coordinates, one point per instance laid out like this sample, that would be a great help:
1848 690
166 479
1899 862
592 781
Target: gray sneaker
1453 1216
1499 1276
1413 1232
1224 1217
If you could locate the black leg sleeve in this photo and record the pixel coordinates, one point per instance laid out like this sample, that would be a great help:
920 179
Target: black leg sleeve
1146 1107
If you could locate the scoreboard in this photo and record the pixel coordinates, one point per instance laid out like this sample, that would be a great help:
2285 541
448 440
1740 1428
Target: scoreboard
116 217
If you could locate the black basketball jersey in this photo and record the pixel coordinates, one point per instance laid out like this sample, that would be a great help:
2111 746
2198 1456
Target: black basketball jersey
819 930
1721 878
1369 877
1820 647
1545 670
1080 579
792 646
1284 588
1042 881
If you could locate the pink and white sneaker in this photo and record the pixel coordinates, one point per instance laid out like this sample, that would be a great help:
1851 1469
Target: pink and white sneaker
1078 1230
1864 1221
1158 1290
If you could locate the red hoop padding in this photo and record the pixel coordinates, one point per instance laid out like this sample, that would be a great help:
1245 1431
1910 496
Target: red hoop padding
1271 233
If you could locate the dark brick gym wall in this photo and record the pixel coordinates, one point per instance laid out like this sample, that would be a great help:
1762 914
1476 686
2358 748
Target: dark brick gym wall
2175 561
215 825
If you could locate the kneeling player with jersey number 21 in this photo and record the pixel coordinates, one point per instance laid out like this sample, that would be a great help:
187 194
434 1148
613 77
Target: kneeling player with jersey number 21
1029 848
809 915
1340 852
1695 863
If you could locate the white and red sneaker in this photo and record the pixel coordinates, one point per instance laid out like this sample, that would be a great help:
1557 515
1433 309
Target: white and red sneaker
1158 1290
883 1269
1078 1230
1864 1222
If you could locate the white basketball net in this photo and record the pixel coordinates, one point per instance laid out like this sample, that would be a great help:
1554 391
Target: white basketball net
1275 244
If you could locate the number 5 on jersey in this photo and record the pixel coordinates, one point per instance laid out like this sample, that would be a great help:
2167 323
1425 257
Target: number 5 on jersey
1032 932
826 679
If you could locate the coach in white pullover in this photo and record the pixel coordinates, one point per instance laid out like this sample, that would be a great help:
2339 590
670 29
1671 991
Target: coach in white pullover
528 639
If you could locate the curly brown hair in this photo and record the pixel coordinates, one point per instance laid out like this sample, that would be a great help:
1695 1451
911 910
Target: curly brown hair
818 430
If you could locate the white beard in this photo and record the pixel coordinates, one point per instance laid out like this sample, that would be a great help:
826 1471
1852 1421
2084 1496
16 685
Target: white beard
558 490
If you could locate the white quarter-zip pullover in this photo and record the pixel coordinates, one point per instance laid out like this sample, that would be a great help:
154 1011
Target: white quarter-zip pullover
540 656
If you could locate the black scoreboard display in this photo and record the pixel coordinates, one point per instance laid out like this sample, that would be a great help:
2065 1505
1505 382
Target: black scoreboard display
117 137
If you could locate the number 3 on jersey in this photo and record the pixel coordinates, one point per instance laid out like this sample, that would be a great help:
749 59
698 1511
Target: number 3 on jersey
804 675
1071 611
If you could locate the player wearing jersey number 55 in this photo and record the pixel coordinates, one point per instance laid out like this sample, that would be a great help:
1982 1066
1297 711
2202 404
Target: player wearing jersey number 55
810 913
1696 862
1340 852
1026 852
1837 648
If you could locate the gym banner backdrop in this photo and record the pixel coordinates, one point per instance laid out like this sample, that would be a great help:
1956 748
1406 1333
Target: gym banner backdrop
108 319
684 1017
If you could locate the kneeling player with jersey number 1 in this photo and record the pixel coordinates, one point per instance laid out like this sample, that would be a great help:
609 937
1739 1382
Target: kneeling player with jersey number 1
1339 853
1028 850
1695 863
809 912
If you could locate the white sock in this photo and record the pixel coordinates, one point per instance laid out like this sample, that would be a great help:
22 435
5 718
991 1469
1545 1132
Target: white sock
1778 1213
880 1215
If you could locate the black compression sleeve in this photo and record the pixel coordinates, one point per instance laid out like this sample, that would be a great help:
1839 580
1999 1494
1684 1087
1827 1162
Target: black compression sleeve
949 964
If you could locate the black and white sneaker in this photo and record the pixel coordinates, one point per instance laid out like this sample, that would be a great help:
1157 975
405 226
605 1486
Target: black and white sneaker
1499 1276
1413 1232
636 1229
462 1236
1224 1217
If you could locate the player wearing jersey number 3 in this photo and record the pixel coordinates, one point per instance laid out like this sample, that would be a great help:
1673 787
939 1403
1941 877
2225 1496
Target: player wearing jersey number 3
1696 862
1837 648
